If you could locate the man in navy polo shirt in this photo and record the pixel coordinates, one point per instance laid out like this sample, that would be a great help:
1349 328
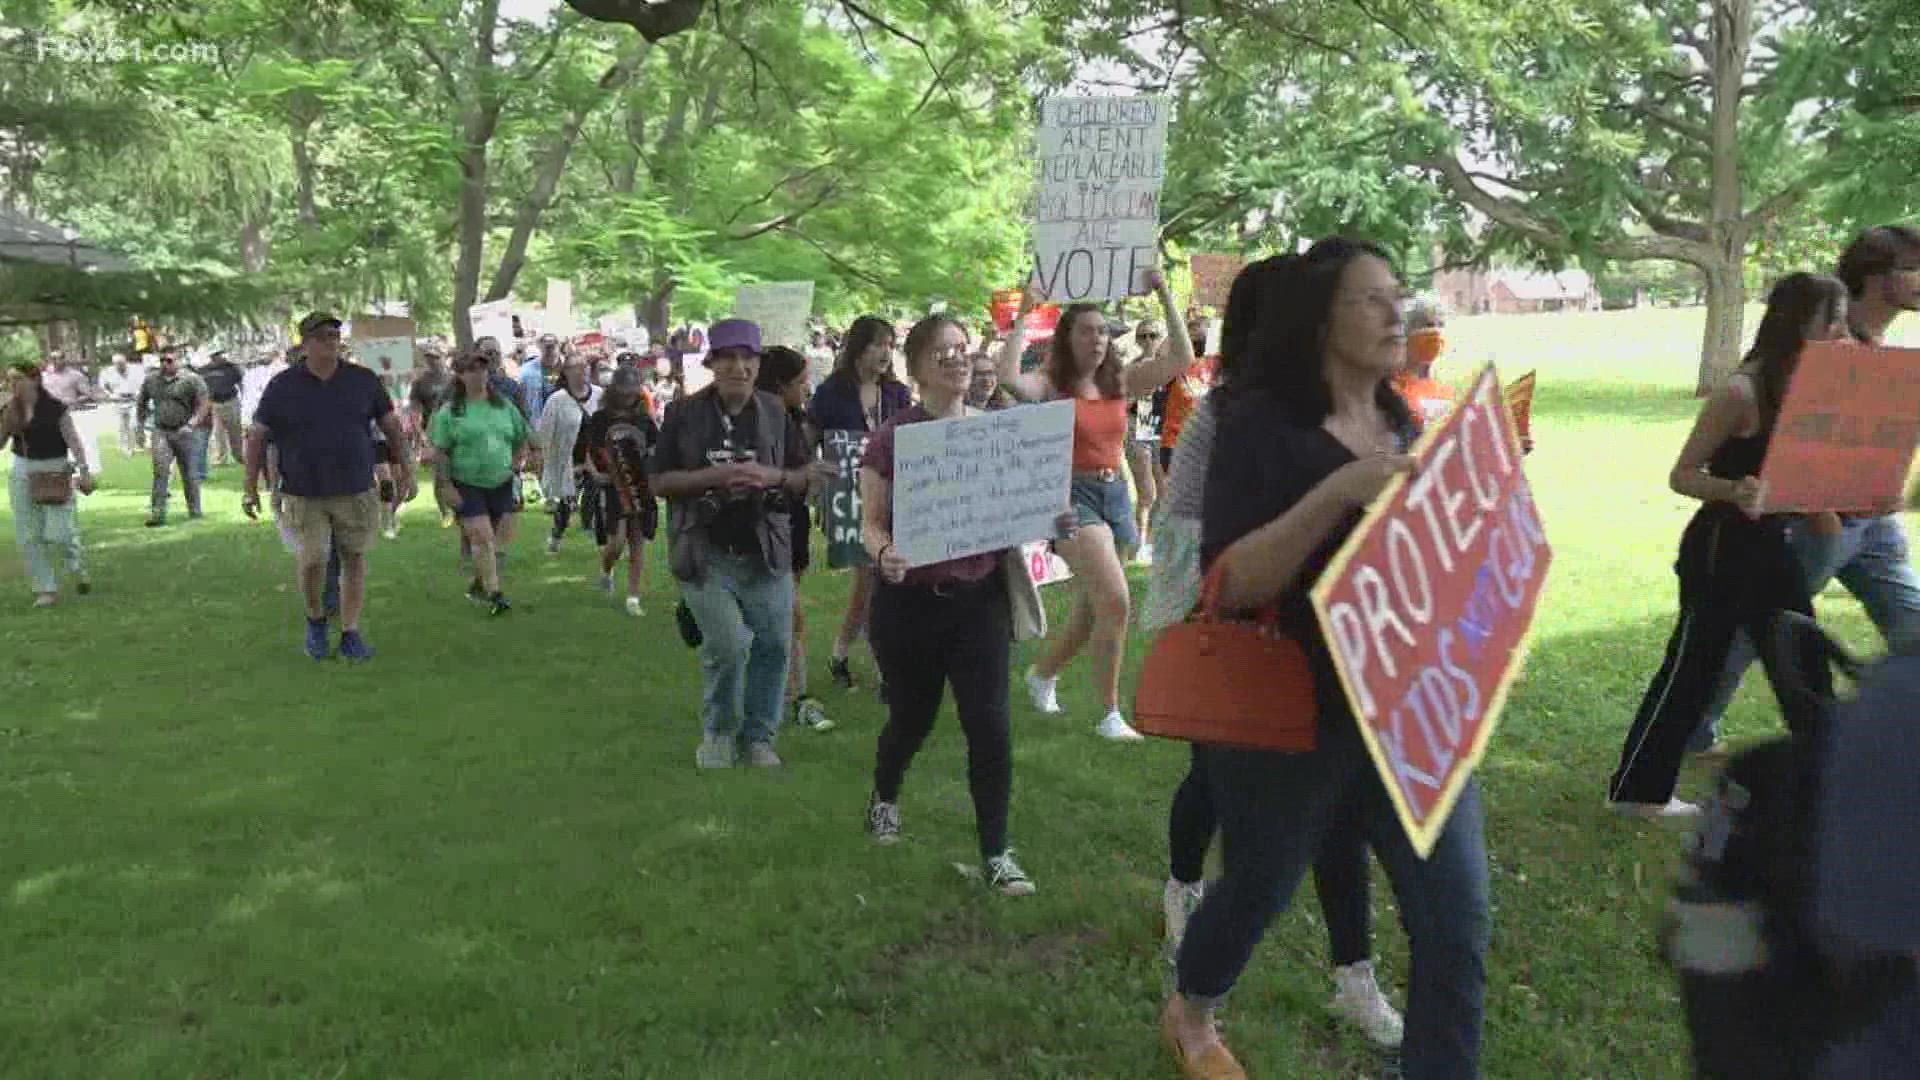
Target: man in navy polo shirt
318 416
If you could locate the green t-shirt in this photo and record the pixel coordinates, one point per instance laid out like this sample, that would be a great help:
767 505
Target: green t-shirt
479 441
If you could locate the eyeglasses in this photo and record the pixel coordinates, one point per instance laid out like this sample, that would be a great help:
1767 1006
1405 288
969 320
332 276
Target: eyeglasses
952 356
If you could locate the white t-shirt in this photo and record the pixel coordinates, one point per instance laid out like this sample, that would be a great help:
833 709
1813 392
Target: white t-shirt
123 387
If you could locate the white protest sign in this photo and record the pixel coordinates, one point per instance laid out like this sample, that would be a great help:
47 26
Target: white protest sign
493 319
559 313
387 355
981 483
1099 162
779 308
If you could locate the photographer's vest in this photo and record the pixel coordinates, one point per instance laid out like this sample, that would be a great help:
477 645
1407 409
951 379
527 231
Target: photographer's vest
701 429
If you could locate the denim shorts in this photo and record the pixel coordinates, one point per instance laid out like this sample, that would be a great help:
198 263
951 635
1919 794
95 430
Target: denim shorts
491 503
1105 502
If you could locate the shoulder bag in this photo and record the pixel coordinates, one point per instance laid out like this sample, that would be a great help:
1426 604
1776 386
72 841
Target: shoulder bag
1225 682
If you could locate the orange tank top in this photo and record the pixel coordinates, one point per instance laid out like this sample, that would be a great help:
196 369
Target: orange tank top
1099 433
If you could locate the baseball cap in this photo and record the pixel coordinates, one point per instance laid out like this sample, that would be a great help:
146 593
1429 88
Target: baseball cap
317 320
734 334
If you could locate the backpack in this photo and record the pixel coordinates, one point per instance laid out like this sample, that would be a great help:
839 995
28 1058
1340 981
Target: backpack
1765 996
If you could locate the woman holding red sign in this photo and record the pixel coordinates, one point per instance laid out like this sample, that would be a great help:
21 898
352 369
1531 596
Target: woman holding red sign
1081 367
1310 431
1736 567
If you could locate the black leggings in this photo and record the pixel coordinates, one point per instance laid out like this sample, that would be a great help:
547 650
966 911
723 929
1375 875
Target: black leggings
1340 870
562 513
923 642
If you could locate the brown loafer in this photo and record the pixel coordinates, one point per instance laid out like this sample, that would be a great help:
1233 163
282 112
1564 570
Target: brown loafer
1215 1063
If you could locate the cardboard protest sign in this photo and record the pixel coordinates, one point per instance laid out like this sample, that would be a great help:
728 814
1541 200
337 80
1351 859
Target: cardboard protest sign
841 522
493 319
1043 566
557 319
779 308
1100 162
1847 430
981 483
1213 278
1519 395
1428 605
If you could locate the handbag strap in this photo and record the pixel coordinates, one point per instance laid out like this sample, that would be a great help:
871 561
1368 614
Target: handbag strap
1208 609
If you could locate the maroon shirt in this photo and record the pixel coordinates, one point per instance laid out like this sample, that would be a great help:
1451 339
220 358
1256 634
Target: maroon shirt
879 458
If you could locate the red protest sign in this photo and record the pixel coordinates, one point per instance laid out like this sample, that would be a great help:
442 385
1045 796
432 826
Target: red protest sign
1213 278
1847 430
1427 607
1005 307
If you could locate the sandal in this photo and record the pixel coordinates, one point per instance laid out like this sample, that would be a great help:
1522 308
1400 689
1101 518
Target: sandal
1215 1063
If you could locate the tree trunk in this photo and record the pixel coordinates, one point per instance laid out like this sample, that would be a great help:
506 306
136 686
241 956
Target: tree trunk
546 179
1730 39
1726 314
253 247
472 237
303 176
656 311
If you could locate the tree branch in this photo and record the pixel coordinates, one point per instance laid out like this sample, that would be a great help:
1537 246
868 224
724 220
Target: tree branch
655 19
844 266
1686 129
1518 218
1661 221
1771 207
560 27
447 81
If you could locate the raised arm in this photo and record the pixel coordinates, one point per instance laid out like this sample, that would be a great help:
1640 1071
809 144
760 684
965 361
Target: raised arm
1147 376
1032 386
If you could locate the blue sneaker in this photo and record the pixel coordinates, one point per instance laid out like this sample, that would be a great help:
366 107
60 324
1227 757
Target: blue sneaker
354 647
317 644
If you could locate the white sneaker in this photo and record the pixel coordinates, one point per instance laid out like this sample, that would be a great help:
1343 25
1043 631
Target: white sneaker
390 533
1044 692
1005 876
553 545
633 606
1116 727
1144 557
606 584
1673 808
716 752
1357 1000
1178 901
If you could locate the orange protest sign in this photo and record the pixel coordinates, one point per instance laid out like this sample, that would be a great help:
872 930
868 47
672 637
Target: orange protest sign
1519 395
1847 430
1213 278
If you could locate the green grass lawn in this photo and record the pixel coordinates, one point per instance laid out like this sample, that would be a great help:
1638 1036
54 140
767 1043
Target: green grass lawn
488 854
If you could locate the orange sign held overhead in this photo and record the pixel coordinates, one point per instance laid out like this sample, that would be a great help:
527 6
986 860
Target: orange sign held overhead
1847 431
1519 394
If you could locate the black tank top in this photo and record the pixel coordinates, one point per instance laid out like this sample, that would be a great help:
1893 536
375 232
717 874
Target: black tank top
1741 456
42 439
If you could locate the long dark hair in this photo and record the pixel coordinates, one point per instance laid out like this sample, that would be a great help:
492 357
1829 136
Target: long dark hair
1060 367
1794 302
468 359
779 366
865 330
1278 313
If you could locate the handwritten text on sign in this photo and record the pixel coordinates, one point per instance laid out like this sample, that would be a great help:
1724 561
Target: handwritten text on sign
1100 162
1213 278
1428 604
843 450
779 308
1847 430
981 483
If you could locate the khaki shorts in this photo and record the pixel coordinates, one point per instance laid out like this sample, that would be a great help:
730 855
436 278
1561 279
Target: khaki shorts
348 521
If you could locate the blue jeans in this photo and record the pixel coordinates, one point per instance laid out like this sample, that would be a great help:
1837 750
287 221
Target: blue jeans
202 439
1869 557
745 614
1275 811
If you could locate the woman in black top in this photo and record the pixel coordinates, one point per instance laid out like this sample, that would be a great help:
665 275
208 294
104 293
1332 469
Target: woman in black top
783 373
1736 566
612 449
40 432
1309 433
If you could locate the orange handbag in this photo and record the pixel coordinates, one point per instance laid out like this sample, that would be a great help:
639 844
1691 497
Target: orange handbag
1217 682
